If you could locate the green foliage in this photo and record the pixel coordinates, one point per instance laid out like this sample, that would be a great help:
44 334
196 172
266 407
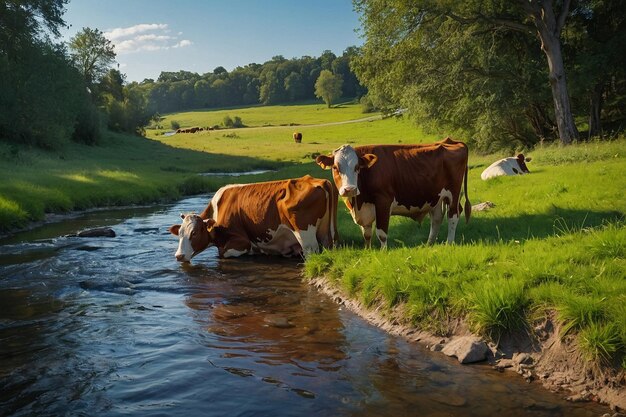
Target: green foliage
600 342
328 87
175 124
92 53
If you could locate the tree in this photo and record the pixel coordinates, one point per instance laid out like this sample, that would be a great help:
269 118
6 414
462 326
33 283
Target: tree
22 22
391 26
328 87
92 53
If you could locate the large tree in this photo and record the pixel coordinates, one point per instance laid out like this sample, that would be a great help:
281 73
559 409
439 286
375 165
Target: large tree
92 53
389 25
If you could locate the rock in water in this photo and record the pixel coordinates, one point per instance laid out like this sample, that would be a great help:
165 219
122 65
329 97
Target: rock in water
97 232
467 349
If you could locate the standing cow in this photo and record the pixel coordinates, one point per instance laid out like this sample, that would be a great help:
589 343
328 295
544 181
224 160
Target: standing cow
507 166
289 218
378 181
297 137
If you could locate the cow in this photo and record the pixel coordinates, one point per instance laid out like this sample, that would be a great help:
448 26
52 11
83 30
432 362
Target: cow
297 137
378 181
507 166
289 217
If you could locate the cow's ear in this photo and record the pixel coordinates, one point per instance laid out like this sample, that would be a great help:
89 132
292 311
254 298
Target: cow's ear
367 160
325 161
209 223
174 229
528 159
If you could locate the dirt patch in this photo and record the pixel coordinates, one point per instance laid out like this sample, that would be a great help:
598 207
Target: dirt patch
542 356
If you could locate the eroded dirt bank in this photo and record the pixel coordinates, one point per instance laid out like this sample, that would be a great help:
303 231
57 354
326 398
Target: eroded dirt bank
545 357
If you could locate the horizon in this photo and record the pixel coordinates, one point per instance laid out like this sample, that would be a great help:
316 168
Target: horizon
148 42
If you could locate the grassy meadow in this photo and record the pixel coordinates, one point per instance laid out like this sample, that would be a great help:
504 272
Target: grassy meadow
554 242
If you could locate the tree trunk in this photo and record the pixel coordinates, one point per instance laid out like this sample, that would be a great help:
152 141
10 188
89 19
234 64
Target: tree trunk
549 31
595 107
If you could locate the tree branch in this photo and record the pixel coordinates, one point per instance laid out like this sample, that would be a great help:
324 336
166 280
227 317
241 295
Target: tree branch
561 20
510 24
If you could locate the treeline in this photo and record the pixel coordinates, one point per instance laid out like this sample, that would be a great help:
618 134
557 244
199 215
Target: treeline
278 80
51 93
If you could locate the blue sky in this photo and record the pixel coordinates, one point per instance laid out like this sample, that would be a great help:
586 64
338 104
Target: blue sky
157 35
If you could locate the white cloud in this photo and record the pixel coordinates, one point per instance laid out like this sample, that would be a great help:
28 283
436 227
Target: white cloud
144 37
183 43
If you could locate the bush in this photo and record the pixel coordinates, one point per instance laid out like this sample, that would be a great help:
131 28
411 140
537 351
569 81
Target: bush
175 125
237 122
228 122
88 125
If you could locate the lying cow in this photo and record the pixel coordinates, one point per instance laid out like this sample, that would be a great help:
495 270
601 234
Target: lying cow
507 166
289 218
378 181
297 137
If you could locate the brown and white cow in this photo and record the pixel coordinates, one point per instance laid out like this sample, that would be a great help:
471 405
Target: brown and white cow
289 218
378 181
507 166
297 137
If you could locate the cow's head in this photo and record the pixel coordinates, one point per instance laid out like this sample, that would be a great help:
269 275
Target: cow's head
194 236
521 161
346 164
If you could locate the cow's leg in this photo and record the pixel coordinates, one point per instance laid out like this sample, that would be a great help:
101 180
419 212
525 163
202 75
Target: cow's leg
367 235
382 223
436 218
453 215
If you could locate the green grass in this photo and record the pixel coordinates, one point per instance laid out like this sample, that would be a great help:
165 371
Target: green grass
285 115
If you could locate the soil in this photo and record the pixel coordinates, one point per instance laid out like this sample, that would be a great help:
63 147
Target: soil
542 356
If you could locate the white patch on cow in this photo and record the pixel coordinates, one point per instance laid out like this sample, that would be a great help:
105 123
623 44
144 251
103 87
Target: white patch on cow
347 159
382 238
280 243
414 212
234 253
364 216
452 222
308 240
505 166
218 195
184 239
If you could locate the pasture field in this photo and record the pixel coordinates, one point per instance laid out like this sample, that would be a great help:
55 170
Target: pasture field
259 116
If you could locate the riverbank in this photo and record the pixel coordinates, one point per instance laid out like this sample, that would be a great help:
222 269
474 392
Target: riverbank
541 357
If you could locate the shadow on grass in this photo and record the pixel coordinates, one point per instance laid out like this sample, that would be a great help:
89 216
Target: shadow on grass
404 232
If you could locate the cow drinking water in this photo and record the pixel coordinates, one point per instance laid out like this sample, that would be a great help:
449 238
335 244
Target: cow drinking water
378 181
289 218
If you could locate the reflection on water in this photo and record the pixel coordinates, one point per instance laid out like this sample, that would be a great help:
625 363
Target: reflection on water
116 326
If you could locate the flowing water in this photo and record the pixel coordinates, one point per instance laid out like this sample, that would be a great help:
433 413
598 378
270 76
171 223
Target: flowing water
115 326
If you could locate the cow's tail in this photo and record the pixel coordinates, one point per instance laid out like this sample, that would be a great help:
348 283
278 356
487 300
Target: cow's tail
468 205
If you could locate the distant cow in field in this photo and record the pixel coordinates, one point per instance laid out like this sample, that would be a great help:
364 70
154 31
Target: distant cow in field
289 218
378 181
297 137
507 166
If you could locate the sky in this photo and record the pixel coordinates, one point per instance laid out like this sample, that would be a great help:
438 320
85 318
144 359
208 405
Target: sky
151 36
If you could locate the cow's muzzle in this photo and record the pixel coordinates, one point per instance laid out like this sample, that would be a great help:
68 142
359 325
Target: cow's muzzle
349 192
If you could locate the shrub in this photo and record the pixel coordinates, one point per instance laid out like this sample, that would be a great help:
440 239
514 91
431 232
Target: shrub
228 122
88 128
175 125
237 122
